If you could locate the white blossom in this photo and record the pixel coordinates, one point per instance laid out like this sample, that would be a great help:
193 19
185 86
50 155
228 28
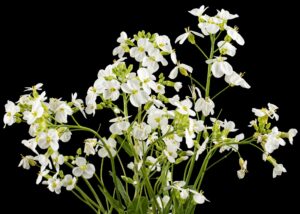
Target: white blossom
11 109
25 162
198 11
138 96
180 66
120 50
36 112
139 52
69 182
111 90
83 168
89 146
237 80
291 134
233 33
49 138
220 67
54 184
225 15
108 145
243 164
78 103
226 48
278 170
183 37
141 131
119 125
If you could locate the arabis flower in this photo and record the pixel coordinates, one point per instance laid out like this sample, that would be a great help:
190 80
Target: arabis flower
83 168
11 109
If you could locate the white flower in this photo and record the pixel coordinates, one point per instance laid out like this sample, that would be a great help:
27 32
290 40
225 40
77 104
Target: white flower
36 112
237 80
62 112
41 175
30 144
111 90
198 11
36 87
181 38
225 15
234 35
209 25
78 103
154 164
291 134
162 203
147 79
164 43
11 109
57 160
26 162
49 139
138 97
205 105
273 141
226 48
177 86
243 170
120 50
184 107
91 108
201 148
66 136
83 168
220 66
271 112
180 67
199 198
119 125
151 62
141 131
278 170
89 146
44 162
54 184
157 118
171 151
110 145
139 52
69 182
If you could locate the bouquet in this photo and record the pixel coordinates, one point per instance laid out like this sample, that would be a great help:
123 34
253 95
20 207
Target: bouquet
157 128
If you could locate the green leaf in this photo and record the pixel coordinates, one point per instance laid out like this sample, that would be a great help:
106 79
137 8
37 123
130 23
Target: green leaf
113 202
79 151
122 191
124 145
138 206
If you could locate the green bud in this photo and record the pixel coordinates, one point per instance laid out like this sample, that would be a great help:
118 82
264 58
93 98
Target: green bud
148 105
183 71
169 83
181 159
191 39
32 162
227 38
100 106
129 42
61 174
127 180
79 151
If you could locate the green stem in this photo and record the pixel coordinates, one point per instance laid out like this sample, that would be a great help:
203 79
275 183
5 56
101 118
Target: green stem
220 92
84 201
200 49
218 161
95 194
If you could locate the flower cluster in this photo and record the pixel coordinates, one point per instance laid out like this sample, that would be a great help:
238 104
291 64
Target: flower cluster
157 128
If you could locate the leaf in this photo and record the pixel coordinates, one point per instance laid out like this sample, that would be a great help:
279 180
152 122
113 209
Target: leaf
113 202
124 145
122 191
138 206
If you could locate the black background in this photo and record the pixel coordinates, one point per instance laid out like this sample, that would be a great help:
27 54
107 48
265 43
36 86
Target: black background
64 46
